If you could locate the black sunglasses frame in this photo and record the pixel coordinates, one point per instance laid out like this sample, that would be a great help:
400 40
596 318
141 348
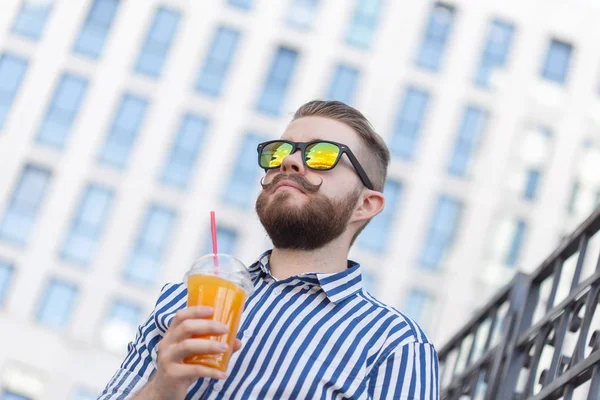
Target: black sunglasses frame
302 147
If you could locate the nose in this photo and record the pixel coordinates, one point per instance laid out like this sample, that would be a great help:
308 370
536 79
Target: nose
293 164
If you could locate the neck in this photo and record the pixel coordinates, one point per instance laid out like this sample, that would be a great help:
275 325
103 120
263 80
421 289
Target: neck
332 258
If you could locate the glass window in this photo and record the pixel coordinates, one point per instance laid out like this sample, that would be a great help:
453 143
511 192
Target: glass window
124 130
31 18
120 325
586 182
508 242
94 31
443 228
408 124
6 273
369 281
302 13
63 109
375 236
23 208
275 88
419 306
8 395
227 240
495 53
143 264
242 4
56 305
157 43
556 65
470 134
344 83
87 225
12 71
364 22
531 159
245 175
217 62
435 37
179 167
85 394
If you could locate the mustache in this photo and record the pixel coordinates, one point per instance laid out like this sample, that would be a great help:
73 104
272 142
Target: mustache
303 183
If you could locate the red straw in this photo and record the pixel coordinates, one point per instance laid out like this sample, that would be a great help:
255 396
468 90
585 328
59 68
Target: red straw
213 229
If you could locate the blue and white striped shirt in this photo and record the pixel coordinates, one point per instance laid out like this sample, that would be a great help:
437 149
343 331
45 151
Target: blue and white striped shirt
311 336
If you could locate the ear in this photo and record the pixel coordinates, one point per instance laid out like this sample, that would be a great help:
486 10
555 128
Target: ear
370 204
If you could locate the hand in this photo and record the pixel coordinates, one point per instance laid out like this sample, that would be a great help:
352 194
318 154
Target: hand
173 376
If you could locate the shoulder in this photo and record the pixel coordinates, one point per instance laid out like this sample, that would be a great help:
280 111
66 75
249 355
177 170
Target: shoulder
402 329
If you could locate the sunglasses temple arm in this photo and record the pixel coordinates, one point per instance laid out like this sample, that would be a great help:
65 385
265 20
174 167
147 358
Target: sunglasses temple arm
361 172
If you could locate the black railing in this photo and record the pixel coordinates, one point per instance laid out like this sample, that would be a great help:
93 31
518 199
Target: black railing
539 337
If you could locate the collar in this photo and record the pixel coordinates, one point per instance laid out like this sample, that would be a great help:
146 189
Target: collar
338 286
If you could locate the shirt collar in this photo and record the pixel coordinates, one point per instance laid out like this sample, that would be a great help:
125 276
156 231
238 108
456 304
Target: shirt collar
338 286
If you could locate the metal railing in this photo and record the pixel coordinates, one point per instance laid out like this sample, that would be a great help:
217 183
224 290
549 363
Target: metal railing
539 337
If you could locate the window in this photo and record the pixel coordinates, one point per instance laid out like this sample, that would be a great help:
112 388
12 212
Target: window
435 37
6 273
94 31
125 127
57 304
179 168
585 193
62 111
471 131
31 18
158 41
508 242
8 395
496 50
343 85
242 4
245 175
277 83
531 160
302 13
12 70
87 225
151 243
24 205
84 394
376 235
217 62
227 240
364 22
120 325
369 281
419 306
442 230
556 65
408 125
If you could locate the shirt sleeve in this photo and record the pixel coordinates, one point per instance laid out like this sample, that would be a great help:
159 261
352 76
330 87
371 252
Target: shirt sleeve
140 362
408 373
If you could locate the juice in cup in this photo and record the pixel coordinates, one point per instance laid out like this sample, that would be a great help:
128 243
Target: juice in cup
224 288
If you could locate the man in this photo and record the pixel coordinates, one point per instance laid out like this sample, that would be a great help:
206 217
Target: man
309 330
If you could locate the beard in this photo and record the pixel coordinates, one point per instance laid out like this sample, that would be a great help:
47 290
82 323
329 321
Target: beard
310 226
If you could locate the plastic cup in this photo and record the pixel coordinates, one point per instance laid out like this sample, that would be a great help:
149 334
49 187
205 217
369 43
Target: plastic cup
223 285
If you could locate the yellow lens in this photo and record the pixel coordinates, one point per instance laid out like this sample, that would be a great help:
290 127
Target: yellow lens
273 154
322 155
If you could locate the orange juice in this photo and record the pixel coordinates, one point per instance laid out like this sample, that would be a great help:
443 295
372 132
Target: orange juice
227 299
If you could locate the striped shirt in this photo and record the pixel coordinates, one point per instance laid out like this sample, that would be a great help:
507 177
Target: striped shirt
311 336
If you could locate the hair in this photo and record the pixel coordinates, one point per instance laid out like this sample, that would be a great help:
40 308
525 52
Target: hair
377 156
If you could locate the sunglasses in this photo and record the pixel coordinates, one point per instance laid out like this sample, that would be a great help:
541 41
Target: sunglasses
320 155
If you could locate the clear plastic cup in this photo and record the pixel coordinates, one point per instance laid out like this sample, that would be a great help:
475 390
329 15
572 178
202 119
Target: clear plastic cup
225 288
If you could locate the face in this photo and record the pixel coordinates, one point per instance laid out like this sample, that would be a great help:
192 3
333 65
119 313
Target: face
306 209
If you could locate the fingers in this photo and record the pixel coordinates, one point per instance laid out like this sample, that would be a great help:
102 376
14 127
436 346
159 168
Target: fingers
195 312
237 345
193 371
195 346
190 327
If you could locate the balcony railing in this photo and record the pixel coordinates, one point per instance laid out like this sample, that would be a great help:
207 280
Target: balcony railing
539 337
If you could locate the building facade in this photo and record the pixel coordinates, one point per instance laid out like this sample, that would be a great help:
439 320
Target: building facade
122 123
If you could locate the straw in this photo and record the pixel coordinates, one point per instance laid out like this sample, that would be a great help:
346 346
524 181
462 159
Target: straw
213 229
